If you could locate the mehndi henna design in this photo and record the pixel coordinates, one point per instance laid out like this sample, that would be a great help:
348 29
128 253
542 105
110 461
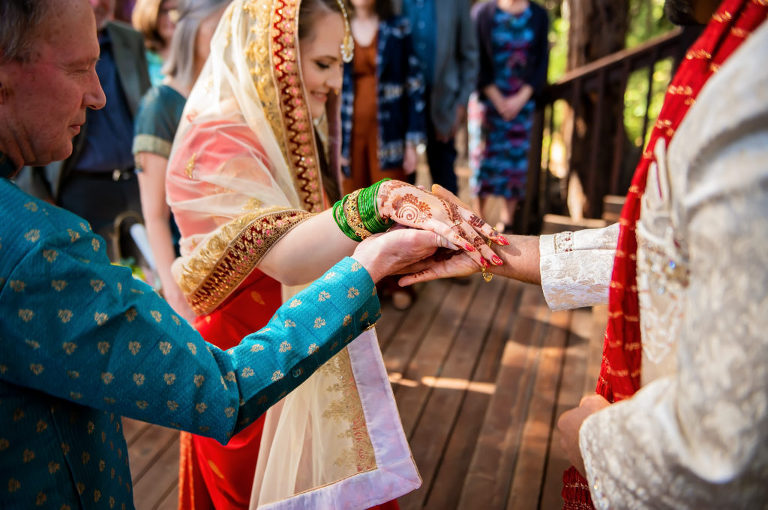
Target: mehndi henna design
386 190
454 215
476 221
410 209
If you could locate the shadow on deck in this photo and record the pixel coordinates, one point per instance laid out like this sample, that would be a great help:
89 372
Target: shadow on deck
480 372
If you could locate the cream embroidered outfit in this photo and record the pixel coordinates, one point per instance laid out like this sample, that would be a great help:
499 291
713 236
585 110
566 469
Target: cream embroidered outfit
696 434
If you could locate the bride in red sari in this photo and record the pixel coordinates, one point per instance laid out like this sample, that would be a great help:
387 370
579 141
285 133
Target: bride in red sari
250 181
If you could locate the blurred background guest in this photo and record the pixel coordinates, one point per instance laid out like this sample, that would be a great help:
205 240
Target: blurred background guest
123 10
156 123
380 131
514 54
156 20
445 43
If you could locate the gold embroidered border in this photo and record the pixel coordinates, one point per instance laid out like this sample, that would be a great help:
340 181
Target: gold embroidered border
299 131
273 55
228 257
258 55
349 410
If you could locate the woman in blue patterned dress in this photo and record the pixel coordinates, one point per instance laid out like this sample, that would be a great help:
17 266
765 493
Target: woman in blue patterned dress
514 53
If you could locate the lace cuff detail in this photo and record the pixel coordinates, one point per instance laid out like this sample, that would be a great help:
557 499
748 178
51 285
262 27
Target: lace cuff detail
576 267
563 242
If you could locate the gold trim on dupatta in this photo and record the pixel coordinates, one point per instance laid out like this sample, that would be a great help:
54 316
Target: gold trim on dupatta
228 257
275 47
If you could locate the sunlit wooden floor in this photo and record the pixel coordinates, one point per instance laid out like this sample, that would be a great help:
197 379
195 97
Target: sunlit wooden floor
480 372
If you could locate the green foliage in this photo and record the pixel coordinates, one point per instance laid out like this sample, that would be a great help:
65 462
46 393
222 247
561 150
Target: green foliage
646 21
635 99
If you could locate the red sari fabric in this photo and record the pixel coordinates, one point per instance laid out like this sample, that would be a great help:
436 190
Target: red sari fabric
619 377
212 475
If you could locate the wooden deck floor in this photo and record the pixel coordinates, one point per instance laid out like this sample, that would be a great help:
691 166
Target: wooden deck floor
480 372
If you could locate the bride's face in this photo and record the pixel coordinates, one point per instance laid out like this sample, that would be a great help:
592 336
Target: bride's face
321 62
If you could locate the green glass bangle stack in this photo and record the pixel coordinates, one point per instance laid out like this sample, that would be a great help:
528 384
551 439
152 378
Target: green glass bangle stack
368 210
341 220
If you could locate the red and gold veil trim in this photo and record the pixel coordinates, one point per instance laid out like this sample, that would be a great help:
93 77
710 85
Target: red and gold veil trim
276 47
226 259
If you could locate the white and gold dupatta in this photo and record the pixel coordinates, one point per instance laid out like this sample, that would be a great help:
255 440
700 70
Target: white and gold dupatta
244 170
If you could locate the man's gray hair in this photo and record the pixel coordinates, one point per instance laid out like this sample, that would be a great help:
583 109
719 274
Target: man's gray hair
180 62
19 23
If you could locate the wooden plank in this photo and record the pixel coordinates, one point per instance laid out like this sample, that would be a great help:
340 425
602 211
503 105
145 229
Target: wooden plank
445 490
400 349
535 441
133 429
389 323
488 479
170 501
445 393
411 393
571 391
148 448
160 478
596 340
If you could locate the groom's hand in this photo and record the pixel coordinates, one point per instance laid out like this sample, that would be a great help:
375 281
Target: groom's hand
569 424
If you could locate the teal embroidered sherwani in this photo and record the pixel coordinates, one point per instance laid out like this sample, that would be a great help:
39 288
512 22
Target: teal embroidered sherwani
82 343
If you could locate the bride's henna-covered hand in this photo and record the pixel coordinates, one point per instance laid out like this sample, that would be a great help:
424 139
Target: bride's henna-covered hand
410 206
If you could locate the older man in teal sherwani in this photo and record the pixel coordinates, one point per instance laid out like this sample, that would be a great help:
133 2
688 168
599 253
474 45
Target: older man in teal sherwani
82 342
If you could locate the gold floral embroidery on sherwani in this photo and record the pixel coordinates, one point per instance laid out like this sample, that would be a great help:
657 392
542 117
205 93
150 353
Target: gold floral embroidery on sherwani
243 172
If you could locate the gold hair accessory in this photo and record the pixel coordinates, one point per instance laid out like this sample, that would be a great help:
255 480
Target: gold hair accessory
347 45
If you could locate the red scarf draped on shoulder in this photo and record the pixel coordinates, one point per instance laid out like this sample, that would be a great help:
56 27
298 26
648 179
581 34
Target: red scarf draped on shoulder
619 377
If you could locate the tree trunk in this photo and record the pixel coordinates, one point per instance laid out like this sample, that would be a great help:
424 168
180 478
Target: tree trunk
597 28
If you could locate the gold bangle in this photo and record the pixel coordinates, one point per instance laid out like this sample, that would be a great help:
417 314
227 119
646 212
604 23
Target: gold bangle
352 215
